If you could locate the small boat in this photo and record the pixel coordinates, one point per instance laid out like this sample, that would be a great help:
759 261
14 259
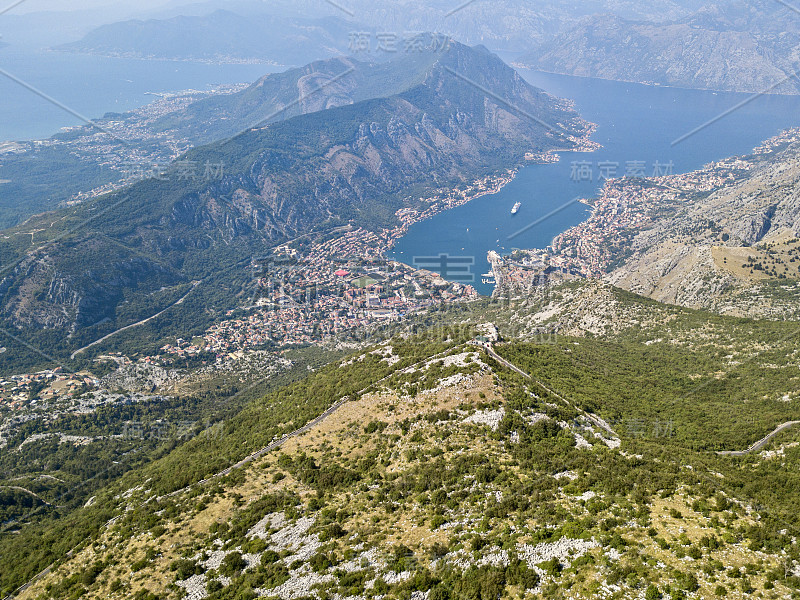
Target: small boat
516 208
490 274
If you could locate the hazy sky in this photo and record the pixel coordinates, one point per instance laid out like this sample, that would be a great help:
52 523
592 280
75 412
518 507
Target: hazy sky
28 6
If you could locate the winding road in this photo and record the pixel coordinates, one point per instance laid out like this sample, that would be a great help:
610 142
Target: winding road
754 448
258 454
137 324
760 443
26 491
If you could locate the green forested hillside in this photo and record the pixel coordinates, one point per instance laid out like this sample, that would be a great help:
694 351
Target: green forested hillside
447 472
78 274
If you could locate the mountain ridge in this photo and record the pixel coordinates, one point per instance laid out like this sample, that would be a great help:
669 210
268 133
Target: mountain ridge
705 51
222 36
359 162
439 444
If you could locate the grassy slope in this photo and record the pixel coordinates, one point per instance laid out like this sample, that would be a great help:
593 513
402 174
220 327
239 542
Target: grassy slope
379 463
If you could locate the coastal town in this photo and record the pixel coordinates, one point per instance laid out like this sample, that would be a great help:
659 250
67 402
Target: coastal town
336 291
16 390
625 206
344 285
628 205
339 286
127 147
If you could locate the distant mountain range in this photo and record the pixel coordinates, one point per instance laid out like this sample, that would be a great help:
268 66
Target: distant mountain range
298 32
435 120
222 36
318 86
731 47
507 25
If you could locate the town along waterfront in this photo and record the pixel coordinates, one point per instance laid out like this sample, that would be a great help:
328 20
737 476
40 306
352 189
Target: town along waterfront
644 131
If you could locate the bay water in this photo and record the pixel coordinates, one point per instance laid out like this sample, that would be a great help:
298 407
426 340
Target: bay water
644 130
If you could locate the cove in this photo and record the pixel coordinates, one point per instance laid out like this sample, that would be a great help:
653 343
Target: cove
643 129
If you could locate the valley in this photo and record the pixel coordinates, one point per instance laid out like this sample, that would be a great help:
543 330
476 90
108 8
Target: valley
249 350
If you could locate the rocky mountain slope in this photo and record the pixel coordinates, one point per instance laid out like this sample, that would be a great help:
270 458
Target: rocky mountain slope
731 46
320 85
118 149
733 250
85 271
437 471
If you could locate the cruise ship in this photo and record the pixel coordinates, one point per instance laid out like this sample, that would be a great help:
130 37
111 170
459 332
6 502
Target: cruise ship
515 210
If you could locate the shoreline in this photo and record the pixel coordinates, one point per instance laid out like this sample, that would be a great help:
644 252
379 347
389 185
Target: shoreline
627 206
491 184
200 61
656 85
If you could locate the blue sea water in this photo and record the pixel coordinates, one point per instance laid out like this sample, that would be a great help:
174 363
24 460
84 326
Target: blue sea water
638 126
91 86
